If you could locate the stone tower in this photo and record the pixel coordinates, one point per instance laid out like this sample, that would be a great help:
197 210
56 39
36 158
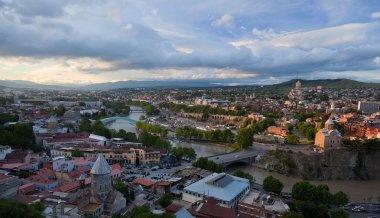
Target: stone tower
101 183
329 124
52 123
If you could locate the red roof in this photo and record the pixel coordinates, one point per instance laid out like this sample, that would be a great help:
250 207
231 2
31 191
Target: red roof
3 176
27 188
173 208
71 186
144 182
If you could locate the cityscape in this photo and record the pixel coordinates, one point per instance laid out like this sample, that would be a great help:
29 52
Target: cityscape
193 109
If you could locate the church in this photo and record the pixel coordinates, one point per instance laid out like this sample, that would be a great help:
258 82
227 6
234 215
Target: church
328 137
101 199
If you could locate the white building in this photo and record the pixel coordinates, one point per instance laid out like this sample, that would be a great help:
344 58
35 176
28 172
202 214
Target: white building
227 189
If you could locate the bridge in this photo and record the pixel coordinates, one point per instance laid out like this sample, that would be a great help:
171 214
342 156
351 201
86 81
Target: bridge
245 156
134 110
108 120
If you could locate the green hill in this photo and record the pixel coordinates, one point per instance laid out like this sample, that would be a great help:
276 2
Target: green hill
285 87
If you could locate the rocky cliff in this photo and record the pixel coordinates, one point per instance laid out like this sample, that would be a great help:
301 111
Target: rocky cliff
342 164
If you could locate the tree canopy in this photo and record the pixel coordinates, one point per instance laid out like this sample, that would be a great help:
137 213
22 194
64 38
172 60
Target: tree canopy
272 184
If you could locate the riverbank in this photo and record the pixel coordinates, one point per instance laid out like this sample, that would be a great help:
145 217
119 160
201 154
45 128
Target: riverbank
363 191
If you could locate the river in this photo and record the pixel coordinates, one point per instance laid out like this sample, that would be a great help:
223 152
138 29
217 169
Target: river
357 191
124 124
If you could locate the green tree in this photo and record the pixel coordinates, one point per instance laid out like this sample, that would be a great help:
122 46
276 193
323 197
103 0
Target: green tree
99 129
85 125
142 117
165 200
245 175
340 198
303 191
60 110
76 153
244 137
17 209
291 214
272 184
339 213
292 139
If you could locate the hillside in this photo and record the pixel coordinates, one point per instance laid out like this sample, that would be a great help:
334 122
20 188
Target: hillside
285 87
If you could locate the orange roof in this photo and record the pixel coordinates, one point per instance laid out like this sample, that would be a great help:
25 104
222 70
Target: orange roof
144 182
29 187
164 183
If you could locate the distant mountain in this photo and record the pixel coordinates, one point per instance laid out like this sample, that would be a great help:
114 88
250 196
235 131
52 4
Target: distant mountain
23 84
148 84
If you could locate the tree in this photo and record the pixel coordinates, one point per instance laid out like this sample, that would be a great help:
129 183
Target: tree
76 153
85 125
60 110
165 200
272 184
100 129
17 209
291 214
292 139
245 175
339 213
340 198
303 191
142 117
206 164
244 137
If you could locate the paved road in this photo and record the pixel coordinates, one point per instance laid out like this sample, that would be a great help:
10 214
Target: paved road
234 156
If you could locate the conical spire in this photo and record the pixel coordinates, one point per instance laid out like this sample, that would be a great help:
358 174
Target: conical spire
101 166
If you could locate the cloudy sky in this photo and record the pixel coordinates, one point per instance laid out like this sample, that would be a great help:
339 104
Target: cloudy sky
235 41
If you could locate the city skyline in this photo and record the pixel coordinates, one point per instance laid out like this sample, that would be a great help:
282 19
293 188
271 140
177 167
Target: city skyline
232 42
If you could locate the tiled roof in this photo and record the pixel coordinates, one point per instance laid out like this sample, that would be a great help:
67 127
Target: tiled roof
144 182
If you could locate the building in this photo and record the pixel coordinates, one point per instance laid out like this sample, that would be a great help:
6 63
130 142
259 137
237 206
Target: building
369 107
257 205
8 186
226 189
296 93
328 137
278 130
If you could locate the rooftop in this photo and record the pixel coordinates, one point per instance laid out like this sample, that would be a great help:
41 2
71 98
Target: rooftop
101 166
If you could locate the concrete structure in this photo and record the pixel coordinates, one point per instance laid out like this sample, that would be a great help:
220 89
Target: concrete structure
245 156
257 205
328 137
226 189
296 93
368 107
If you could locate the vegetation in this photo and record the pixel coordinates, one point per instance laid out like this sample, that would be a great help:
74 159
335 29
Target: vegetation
60 110
196 134
272 184
4 118
180 153
307 129
245 175
121 187
339 213
127 136
142 117
291 214
117 107
85 125
144 212
204 109
151 128
17 209
340 199
154 141
149 108
292 139
244 137
206 164
165 200
97 127
76 153
20 134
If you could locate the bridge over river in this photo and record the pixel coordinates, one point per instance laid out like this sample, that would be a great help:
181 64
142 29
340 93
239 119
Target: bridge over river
108 120
245 156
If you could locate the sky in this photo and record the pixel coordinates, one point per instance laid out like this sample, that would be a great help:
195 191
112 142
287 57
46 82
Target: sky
229 42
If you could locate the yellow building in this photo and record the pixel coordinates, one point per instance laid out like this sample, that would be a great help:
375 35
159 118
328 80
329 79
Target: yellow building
328 137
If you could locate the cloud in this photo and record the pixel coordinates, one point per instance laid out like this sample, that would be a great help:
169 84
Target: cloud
377 60
226 20
375 14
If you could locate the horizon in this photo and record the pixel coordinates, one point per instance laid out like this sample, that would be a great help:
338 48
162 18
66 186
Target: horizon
241 42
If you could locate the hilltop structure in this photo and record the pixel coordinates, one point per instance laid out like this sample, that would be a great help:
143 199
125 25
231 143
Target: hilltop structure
296 93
